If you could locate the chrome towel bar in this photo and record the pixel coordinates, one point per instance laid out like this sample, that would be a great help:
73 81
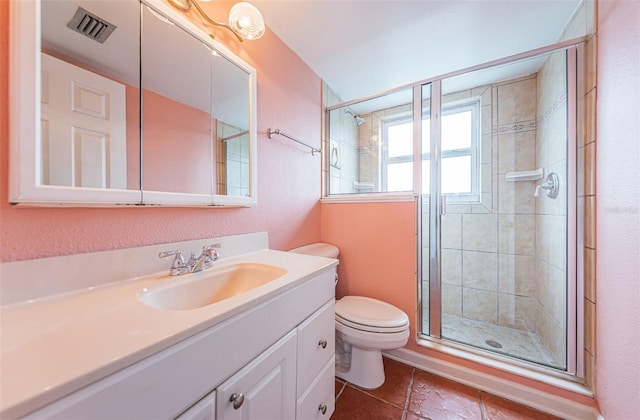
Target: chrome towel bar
277 131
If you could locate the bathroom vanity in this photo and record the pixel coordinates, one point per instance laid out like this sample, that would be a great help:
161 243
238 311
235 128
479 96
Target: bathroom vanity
267 352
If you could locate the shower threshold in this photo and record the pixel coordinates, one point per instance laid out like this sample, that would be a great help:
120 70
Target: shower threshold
525 345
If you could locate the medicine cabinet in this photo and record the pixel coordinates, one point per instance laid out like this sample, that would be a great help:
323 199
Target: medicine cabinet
127 103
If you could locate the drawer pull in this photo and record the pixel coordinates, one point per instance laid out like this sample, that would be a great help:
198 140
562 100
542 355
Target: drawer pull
237 400
323 343
323 409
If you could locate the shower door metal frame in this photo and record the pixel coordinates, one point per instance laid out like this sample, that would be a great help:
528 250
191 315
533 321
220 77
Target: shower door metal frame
575 182
435 213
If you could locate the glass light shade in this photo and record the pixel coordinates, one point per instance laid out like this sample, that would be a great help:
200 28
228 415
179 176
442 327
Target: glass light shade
245 20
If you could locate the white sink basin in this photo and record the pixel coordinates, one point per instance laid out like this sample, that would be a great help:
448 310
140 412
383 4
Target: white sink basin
204 288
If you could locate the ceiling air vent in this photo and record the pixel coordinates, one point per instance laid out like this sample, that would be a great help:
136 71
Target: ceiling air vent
91 25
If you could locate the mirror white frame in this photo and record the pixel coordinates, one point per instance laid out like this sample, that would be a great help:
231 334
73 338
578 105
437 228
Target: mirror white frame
24 125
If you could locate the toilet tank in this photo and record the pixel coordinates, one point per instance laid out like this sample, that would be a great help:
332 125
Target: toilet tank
319 249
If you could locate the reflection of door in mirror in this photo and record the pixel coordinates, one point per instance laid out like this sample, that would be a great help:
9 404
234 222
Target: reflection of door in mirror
84 142
89 101
232 170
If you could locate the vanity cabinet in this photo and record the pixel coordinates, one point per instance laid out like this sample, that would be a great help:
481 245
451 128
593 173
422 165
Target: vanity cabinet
268 386
278 353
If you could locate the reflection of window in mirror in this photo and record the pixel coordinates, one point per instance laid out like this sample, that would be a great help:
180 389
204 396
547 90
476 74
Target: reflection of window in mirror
232 167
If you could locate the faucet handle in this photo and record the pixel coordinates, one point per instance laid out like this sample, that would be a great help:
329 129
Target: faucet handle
178 265
211 251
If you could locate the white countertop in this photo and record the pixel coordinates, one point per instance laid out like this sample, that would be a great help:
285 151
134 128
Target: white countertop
54 346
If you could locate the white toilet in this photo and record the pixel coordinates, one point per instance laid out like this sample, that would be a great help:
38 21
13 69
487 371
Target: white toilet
364 328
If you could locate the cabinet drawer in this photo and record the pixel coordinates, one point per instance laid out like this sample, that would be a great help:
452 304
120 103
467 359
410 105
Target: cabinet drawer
316 344
318 401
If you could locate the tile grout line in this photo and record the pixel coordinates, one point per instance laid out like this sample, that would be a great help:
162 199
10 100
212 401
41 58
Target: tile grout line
344 384
365 392
406 402
482 409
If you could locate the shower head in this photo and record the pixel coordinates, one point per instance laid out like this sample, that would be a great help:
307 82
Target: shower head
358 118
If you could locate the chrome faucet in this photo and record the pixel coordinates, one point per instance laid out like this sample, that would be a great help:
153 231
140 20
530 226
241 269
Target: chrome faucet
207 257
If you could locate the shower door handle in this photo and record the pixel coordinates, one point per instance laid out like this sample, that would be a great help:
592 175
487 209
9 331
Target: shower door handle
443 205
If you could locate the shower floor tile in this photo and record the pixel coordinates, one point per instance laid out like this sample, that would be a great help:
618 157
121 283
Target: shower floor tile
517 343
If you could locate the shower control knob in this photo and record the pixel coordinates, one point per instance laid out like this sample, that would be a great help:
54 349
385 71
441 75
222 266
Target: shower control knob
323 343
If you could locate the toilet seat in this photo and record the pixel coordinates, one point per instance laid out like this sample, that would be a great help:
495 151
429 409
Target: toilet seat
372 315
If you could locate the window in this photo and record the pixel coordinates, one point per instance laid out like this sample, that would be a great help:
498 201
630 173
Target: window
397 156
460 174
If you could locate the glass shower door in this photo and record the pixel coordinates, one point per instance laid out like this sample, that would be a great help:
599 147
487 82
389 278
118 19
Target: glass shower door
500 277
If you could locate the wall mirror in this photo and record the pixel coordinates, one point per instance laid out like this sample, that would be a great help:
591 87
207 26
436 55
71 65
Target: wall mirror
127 102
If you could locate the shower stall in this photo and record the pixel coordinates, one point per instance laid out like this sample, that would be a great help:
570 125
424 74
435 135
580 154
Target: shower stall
503 269
490 157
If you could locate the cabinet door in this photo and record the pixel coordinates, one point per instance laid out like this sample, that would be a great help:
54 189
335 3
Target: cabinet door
205 409
265 388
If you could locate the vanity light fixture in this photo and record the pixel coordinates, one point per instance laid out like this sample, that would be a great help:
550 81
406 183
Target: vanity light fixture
245 20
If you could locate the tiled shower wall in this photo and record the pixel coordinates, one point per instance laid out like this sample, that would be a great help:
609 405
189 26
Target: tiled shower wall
341 147
232 162
488 248
551 264
369 149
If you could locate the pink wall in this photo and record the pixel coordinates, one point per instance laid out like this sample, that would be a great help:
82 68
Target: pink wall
289 97
618 210
377 243
180 134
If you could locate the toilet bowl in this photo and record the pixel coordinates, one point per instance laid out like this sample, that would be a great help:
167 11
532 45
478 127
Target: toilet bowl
364 328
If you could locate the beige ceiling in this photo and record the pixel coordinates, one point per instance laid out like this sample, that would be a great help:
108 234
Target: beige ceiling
361 47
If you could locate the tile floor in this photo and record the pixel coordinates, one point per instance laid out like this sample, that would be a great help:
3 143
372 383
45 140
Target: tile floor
412 394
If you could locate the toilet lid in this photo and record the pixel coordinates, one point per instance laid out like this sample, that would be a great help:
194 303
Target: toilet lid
367 313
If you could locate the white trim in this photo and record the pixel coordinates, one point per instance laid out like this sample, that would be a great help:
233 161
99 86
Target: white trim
513 391
369 198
